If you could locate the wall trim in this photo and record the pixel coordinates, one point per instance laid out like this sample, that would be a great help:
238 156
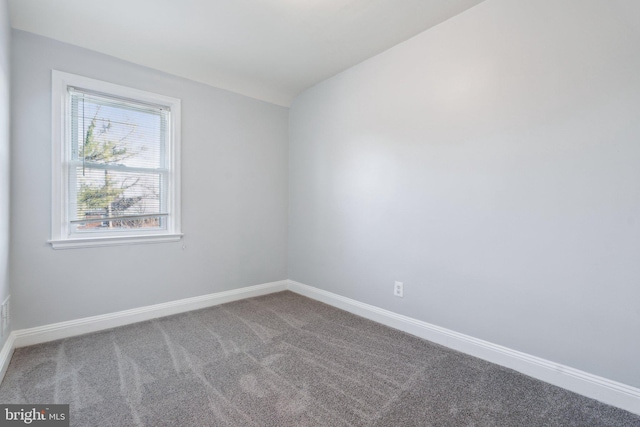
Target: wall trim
607 391
56 331
6 353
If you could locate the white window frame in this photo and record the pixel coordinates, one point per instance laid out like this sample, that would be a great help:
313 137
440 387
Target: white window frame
61 237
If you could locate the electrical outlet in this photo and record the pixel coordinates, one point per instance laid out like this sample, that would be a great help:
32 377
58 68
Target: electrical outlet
398 289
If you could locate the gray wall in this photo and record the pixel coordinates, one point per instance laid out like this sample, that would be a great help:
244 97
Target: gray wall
5 37
492 164
234 196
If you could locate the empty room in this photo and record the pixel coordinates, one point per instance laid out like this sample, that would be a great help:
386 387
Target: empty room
320 213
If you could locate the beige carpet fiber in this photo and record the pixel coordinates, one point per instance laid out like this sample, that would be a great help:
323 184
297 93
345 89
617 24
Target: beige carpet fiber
283 360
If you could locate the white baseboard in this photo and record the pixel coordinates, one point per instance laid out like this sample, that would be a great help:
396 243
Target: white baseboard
6 353
56 331
611 392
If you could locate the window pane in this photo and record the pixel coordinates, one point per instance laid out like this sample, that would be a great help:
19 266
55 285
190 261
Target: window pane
114 132
102 194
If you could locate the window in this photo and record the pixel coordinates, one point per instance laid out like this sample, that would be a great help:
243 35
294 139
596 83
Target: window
115 164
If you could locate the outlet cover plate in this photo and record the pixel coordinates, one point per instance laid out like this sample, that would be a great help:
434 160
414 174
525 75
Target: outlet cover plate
398 289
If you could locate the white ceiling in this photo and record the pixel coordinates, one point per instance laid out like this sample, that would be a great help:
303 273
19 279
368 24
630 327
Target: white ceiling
267 49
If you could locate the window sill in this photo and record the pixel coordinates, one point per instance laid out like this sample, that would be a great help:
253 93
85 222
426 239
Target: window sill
90 242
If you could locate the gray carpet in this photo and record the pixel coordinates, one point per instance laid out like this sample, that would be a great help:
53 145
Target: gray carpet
283 360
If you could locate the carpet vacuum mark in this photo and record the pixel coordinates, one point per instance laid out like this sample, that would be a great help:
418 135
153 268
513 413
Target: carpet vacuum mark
283 360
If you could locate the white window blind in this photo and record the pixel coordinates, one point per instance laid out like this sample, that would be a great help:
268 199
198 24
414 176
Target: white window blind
118 171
